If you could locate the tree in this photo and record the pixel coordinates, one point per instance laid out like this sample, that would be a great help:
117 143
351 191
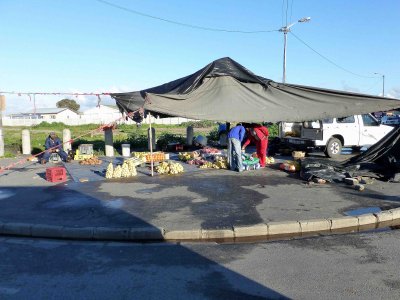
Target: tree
68 103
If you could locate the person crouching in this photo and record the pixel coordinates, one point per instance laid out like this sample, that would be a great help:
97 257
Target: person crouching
53 145
259 135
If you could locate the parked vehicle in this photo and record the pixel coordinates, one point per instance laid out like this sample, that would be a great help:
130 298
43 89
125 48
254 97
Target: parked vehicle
331 135
391 120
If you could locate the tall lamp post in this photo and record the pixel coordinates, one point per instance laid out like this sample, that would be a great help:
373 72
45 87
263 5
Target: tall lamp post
383 83
285 30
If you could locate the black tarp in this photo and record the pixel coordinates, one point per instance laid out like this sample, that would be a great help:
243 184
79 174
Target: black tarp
382 158
226 91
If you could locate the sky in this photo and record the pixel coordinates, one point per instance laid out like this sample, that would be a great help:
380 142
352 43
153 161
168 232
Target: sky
93 46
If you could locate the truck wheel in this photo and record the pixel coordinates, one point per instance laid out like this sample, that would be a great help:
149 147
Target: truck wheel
333 148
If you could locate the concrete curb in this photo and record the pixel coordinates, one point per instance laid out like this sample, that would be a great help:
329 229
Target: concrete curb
259 231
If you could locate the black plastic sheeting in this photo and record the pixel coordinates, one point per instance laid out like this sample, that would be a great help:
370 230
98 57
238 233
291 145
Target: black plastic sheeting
224 90
128 102
382 159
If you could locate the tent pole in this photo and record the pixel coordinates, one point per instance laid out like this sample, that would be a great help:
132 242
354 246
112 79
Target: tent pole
151 147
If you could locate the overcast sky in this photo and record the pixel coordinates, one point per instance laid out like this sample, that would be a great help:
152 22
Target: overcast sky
91 46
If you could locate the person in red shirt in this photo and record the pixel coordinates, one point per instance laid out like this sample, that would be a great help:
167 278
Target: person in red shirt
259 135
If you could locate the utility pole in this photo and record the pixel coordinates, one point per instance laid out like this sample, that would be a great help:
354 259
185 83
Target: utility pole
285 30
383 83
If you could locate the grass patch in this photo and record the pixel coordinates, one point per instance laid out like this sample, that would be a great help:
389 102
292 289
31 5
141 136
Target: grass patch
8 155
134 135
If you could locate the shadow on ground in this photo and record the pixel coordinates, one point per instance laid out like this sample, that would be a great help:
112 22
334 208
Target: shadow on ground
70 207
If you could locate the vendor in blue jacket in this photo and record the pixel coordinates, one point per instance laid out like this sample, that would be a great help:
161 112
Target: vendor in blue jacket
53 145
235 139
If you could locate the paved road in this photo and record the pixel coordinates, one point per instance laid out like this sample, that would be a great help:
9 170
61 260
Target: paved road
356 266
209 199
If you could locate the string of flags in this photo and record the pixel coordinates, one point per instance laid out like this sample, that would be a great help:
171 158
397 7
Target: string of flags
56 93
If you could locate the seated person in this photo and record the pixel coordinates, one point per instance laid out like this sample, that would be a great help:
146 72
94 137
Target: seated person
51 142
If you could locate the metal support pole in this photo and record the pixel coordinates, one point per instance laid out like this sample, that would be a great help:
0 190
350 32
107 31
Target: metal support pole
284 55
151 147
383 85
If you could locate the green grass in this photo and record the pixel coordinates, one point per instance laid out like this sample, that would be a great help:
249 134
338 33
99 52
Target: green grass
8 155
132 134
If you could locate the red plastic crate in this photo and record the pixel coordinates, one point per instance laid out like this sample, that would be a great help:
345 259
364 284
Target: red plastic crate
56 174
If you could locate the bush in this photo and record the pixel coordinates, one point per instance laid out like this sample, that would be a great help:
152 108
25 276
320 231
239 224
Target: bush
273 130
138 140
213 135
167 138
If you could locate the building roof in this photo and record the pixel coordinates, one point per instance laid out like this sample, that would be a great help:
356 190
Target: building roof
43 111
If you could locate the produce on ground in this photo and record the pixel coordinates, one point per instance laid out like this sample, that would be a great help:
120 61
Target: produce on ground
127 169
132 167
196 161
91 161
117 172
219 163
146 156
140 155
110 171
210 150
185 156
270 160
206 165
289 165
169 168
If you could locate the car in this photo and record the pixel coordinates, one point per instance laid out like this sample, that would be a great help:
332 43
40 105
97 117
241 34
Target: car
332 134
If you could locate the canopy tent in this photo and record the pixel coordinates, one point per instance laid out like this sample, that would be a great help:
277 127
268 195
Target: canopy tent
226 91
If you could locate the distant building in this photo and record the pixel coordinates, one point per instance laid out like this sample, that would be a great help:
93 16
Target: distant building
47 114
101 114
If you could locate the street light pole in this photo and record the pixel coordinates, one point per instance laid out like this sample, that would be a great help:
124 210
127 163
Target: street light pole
383 83
285 30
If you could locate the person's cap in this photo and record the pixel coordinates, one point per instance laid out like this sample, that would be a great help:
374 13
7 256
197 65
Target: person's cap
52 133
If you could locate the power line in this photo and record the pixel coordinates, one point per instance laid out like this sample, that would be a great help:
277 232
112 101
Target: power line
291 11
327 59
180 23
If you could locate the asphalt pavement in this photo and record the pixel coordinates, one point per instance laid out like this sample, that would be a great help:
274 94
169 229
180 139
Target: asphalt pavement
353 266
209 199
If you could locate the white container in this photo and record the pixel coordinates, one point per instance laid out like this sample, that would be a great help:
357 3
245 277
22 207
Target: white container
126 150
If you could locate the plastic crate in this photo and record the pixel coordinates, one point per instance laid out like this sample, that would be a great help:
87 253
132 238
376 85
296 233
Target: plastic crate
56 174
86 149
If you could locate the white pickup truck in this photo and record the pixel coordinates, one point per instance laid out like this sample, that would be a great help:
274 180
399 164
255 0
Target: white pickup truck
332 134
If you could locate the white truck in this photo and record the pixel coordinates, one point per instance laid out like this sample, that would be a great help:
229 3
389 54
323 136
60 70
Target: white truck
331 135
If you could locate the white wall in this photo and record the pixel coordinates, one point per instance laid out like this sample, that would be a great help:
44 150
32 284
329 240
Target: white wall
7 121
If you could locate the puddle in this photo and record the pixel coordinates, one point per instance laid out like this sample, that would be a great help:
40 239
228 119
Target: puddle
363 210
115 203
4 194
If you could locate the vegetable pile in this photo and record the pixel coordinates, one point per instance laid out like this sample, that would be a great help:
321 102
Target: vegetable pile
91 161
127 169
169 168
